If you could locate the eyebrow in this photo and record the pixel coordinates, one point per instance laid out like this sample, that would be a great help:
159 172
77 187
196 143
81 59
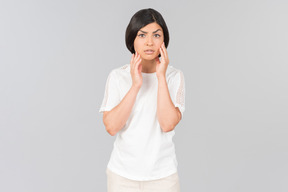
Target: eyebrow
153 32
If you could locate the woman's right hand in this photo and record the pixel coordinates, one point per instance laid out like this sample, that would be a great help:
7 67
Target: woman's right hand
136 69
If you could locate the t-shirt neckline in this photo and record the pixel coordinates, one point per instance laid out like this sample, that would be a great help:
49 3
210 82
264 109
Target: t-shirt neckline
148 73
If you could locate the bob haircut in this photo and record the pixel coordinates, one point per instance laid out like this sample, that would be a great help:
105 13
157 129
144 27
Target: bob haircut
140 19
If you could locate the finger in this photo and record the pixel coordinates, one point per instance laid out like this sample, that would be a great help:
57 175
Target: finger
137 59
136 56
138 62
157 60
161 52
165 54
140 69
163 58
138 65
164 50
131 61
132 58
163 45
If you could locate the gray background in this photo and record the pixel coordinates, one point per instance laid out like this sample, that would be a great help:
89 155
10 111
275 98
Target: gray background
55 59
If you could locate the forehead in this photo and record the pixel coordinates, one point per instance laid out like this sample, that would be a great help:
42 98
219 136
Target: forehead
151 27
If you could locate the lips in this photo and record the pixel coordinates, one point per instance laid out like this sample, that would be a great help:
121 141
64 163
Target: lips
149 51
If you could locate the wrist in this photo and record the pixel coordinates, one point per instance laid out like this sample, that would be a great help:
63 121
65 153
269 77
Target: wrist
161 77
135 88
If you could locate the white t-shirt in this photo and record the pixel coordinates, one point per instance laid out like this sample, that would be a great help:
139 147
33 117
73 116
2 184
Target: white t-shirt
142 151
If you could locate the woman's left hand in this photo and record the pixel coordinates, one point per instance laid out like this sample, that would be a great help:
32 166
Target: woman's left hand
161 67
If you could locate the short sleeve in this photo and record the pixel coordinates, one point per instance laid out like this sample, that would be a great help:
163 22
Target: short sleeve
177 92
112 94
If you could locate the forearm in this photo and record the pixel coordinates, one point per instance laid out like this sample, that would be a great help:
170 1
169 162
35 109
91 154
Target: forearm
167 114
115 119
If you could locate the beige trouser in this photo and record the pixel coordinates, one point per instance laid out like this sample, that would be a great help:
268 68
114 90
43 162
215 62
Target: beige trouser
117 183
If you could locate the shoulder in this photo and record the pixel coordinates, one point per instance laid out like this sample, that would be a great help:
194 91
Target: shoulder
122 70
174 73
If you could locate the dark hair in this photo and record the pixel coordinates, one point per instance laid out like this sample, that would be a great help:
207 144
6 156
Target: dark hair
140 19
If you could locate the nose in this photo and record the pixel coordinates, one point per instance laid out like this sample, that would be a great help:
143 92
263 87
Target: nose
149 41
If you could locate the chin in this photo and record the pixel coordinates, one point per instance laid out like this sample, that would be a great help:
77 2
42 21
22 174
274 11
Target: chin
149 57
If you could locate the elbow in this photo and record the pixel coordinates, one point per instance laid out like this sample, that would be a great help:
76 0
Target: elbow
111 131
109 128
167 128
169 124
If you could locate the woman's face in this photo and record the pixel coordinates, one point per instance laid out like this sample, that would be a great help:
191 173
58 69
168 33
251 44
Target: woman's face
148 41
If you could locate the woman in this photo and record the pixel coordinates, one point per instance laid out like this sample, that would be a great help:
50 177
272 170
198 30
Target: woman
143 102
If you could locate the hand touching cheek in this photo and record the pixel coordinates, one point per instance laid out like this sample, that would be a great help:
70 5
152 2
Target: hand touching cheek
161 66
135 70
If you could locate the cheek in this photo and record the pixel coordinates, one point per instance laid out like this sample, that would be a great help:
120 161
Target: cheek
137 45
158 47
159 43
136 42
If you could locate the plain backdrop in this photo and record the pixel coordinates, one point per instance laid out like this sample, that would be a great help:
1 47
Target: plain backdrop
55 58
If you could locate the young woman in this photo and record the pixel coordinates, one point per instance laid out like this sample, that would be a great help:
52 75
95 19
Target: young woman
143 103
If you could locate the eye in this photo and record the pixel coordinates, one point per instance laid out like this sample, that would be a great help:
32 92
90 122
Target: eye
158 35
141 35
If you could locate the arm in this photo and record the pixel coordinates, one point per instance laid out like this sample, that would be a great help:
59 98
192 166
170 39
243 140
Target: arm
168 115
115 119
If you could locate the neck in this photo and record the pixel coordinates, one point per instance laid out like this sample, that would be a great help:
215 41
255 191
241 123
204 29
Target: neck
148 66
